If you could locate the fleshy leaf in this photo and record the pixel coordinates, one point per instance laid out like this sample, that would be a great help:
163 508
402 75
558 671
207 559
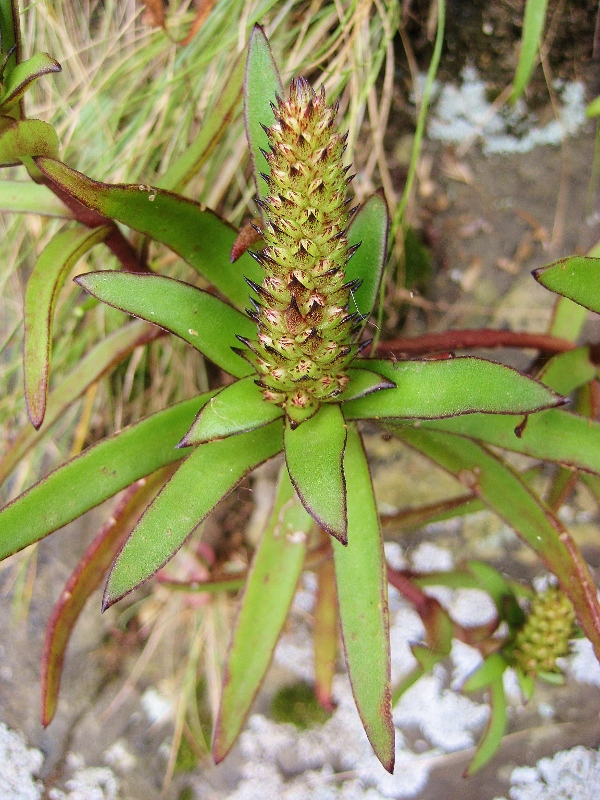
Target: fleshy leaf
325 633
505 493
237 408
552 435
25 139
261 86
370 227
192 231
568 371
86 578
197 317
207 475
97 474
489 675
577 278
264 606
314 454
27 197
22 76
10 34
101 358
214 125
445 388
361 582
363 382
533 26
43 286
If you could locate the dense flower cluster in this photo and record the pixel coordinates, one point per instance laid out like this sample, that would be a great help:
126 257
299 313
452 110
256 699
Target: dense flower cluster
545 635
305 332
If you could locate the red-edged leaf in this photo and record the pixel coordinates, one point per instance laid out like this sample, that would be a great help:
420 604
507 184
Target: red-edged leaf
361 582
264 606
314 454
207 475
44 284
86 578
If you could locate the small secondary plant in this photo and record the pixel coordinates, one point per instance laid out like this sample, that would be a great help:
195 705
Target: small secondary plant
300 386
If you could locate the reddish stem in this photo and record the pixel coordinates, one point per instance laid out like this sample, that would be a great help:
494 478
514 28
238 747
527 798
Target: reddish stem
473 338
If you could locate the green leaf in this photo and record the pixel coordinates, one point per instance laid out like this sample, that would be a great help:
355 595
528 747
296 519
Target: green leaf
10 34
552 435
237 408
445 388
593 108
192 231
44 284
577 278
86 578
533 25
197 317
97 474
26 139
209 473
101 358
325 634
22 76
264 606
363 382
361 581
370 227
314 454
214 125
261 86
505 493
501 592
27 197
491 671
568 371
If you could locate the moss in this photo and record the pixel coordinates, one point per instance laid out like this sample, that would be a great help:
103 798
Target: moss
299 706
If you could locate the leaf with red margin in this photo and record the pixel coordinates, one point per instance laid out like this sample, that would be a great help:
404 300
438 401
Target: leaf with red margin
504 492
361 581
314 453
97 474
207 475
263 609
102 357
87 577
21 78
191 230
197 317
45 282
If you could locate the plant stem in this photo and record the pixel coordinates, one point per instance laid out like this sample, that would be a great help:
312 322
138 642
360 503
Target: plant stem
468 339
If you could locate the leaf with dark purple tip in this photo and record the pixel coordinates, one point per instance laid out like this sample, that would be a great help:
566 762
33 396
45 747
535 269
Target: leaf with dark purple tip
361 582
